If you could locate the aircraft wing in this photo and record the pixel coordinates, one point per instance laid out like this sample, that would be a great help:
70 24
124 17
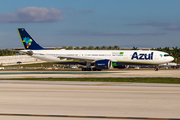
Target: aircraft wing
78 58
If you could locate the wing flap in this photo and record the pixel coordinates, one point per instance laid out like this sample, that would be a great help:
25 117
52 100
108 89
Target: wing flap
77 58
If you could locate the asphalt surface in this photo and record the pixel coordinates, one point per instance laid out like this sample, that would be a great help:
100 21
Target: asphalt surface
88 99
76 74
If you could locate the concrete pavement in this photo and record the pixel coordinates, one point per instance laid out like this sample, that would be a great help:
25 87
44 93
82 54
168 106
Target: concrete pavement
89 99
77 74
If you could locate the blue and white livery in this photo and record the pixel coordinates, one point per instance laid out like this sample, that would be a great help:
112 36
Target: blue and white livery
93 59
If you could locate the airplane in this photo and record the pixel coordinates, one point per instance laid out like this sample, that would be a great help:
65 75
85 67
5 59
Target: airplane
94 60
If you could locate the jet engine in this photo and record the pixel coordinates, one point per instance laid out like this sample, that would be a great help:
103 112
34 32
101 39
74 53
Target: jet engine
103 64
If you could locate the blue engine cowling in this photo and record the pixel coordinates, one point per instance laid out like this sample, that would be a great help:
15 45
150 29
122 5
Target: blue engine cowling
103 64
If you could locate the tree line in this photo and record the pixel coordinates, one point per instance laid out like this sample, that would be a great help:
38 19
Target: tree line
91 48
7 52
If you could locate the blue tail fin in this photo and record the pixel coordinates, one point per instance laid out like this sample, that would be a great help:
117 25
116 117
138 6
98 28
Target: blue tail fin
28 42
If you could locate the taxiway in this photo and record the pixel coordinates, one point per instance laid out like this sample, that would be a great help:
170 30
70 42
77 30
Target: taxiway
77 74
88 99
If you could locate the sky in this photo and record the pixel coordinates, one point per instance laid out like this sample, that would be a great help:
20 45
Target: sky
125 23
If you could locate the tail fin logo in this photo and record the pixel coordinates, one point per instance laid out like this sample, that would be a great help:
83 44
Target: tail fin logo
28 41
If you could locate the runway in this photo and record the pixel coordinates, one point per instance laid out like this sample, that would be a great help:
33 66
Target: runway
77 74
88 99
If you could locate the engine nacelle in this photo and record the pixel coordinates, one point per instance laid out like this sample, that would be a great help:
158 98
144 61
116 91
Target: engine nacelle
103 64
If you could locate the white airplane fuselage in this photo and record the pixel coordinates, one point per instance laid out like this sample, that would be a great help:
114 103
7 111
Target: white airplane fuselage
122 56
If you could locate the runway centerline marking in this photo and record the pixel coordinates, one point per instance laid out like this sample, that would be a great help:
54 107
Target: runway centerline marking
29 76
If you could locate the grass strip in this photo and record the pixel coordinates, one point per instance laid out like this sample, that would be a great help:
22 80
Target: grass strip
137 80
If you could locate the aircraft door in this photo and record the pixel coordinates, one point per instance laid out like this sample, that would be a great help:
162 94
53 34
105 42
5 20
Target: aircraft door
80 54
156 56
125 56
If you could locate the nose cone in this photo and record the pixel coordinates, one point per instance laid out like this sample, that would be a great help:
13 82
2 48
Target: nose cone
171 58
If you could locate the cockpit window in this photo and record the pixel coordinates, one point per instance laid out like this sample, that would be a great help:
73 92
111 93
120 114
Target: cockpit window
165 55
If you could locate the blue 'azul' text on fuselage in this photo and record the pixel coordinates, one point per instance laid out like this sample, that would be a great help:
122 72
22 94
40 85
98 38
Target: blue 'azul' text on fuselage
142 56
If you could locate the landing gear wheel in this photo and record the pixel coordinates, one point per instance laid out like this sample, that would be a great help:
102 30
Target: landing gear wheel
88 69
94 69
83 69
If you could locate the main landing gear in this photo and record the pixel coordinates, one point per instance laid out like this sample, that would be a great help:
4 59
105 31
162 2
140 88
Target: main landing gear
90 69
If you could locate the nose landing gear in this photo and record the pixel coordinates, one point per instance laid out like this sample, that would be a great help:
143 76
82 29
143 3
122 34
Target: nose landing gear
156 68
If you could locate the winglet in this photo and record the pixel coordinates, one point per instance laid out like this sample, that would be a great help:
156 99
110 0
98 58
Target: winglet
28 42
